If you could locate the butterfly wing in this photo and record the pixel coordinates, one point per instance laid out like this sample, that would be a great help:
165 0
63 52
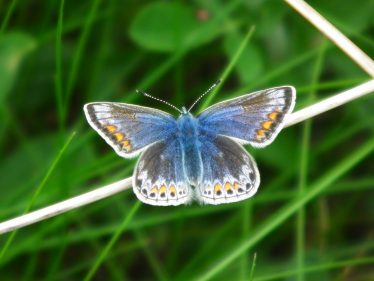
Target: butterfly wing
254 118
129 129
159 177
229 173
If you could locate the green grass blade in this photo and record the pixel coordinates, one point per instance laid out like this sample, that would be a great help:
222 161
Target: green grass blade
228 69
153 261
247 224
252 272
297 61
72 78
304 166
58 75
105 252
8 14
207 249
37 191
318 267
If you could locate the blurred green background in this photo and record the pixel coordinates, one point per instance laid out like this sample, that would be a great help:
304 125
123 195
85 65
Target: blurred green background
312 218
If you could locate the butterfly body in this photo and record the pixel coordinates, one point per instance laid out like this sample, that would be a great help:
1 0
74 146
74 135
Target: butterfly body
194 158
188 134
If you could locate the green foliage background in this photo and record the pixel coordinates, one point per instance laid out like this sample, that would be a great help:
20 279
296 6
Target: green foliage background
312 218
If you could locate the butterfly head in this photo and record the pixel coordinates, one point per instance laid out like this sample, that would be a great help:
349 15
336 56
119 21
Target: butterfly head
185 117
185 111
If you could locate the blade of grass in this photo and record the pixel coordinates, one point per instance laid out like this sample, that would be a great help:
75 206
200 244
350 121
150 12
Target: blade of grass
155 264
316 268
157 268
105 252
103 48
299 60
290 209
68 272
247 212
31 267
228 69
58 74
72 78
8 14
304 166
332 84
58 255
38 190
113 269
207 248
252 272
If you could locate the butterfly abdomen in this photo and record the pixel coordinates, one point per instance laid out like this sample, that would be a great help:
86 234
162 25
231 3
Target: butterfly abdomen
188 134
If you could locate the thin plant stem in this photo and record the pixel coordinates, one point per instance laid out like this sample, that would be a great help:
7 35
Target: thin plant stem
331 32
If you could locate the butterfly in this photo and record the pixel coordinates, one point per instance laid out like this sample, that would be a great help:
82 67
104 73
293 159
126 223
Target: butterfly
194 158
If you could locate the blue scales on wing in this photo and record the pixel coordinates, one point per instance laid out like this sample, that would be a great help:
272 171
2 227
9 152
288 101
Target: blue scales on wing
129 129
254 118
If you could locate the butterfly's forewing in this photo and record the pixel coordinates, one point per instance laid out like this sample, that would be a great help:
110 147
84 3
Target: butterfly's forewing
159 177
229 173
255 118
129 129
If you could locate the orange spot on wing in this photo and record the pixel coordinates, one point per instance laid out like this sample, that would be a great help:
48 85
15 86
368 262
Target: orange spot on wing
236 185
217 188
154 189
172 190
273 115
260 134
228 186
266 125
111 128
126 145
118 136
162 189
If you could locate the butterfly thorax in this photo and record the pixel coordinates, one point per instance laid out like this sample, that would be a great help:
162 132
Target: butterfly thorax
188 137
187 124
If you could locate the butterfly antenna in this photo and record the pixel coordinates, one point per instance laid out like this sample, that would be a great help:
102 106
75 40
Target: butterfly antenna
206 92
152 97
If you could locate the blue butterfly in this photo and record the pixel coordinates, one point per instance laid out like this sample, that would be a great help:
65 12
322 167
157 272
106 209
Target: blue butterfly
194 158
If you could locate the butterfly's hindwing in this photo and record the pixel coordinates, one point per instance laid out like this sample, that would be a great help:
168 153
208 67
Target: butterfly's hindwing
255 118
229 173
159 177
129 129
